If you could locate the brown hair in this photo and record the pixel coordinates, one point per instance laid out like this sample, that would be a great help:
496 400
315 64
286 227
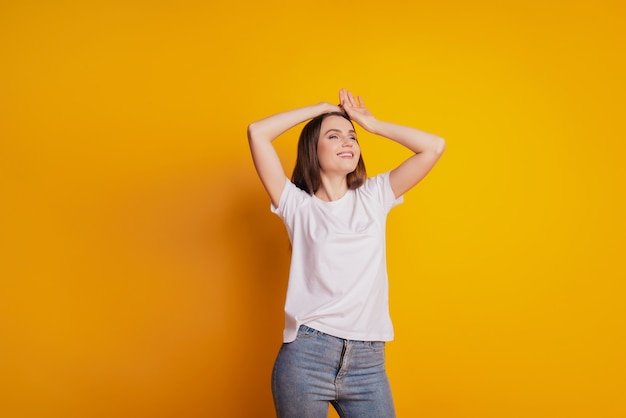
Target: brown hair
306 174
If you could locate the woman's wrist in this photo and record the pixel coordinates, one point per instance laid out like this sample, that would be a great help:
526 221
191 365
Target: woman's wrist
373 126
325 107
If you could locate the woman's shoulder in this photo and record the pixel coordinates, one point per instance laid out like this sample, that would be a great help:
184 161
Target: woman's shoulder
377 181
378 188
290 196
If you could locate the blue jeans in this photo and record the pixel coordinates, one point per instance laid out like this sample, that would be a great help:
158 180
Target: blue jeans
318 368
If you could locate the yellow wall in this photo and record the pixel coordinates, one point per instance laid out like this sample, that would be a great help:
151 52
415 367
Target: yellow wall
142 274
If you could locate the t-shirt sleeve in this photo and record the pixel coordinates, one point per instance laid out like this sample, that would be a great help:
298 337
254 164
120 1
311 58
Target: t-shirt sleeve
275 209
290 198
381 187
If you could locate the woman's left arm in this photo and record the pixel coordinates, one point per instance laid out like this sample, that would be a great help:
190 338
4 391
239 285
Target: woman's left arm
427 147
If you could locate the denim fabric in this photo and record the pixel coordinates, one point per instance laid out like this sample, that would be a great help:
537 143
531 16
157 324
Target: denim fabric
318 368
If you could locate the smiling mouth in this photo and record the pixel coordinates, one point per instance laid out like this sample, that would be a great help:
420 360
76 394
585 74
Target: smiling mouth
346 154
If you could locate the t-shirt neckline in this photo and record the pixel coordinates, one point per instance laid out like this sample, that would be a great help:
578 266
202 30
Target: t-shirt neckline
332 201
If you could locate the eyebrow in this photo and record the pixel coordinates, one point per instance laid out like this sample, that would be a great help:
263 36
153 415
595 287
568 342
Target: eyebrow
338 130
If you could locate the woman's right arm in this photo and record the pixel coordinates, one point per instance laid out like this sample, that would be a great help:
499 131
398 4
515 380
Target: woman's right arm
263 132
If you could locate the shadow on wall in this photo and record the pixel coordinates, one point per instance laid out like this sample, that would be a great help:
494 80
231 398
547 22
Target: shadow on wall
196 266
259 252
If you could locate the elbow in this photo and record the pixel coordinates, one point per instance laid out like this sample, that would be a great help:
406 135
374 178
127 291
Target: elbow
254 132
440 145
251 131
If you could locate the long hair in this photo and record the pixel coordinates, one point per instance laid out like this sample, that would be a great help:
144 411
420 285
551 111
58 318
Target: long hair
306 173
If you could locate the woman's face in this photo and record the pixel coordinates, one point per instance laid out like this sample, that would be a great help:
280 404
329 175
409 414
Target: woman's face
337 148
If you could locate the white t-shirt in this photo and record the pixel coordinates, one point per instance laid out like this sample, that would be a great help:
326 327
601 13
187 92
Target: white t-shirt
338 275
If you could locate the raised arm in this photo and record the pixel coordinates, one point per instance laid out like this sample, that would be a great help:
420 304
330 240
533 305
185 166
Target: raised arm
263 132
427 147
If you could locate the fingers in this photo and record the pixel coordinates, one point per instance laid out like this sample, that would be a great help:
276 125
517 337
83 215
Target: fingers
342 98
346 98
353 101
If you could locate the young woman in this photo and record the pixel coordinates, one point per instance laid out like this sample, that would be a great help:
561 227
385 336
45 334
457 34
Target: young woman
336 311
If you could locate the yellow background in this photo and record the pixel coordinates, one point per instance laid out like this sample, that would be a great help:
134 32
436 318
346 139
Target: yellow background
142 274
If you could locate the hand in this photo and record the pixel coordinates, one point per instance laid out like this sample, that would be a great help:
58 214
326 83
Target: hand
329 107
355 109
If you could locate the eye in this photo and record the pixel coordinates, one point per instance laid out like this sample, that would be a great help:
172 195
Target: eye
333 137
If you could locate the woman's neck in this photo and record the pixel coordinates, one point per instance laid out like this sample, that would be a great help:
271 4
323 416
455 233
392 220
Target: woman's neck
332 188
